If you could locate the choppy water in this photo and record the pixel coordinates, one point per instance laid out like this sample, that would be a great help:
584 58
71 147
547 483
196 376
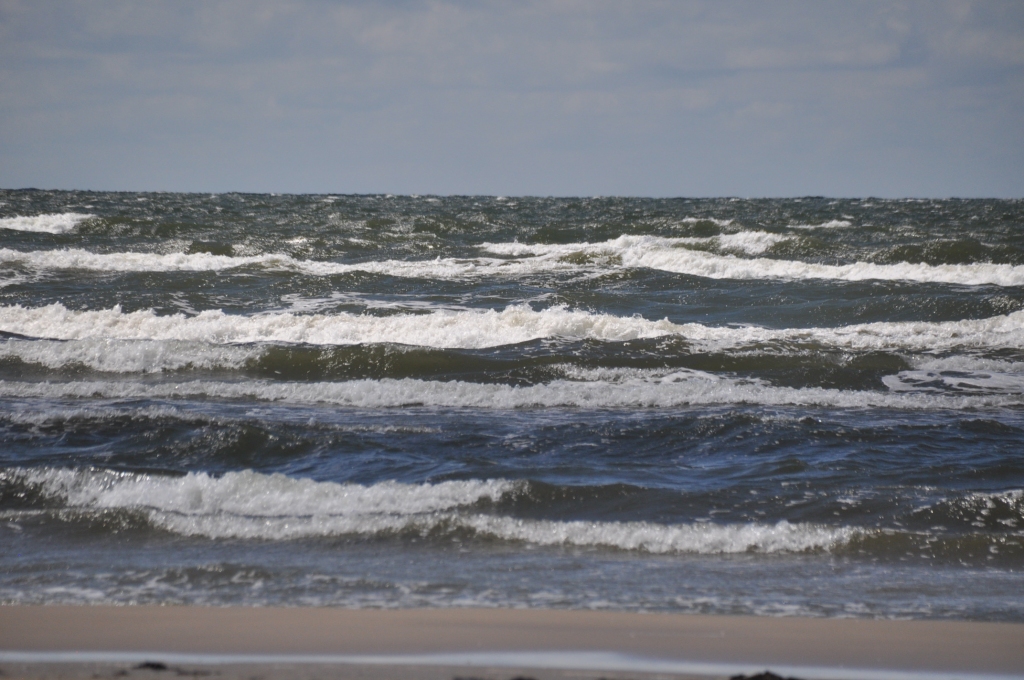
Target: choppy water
769 406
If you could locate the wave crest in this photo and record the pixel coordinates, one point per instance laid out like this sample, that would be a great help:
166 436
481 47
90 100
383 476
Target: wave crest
682 388
713 257
251 505
57 223
475 329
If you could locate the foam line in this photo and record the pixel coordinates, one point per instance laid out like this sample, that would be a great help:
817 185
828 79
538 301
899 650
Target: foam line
472 329
690 256
667 255
442 328
674 391
439 268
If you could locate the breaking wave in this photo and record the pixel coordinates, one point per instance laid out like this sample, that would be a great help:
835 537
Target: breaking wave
468 329
716 257
671 255
251 505
58 223
439 268
128 356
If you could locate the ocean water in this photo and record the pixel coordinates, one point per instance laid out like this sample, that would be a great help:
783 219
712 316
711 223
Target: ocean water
776 407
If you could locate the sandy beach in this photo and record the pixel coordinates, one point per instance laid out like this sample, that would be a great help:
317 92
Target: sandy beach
143 641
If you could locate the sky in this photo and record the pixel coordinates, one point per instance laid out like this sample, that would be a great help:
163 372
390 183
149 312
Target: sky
563 98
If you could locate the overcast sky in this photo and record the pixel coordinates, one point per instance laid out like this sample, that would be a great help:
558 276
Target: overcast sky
514 98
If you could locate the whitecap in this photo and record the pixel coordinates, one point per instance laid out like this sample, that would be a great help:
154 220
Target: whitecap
128 356
57 223
672 255
438 268
713 220
252 494
831 224
441 328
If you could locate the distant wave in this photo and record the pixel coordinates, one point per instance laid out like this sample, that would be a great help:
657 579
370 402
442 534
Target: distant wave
671 255
716 257
57 223
831 224
440 268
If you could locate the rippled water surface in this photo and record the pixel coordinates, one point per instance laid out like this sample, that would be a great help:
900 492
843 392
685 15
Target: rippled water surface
805 406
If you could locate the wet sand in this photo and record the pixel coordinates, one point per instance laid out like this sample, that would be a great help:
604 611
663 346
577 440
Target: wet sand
103 641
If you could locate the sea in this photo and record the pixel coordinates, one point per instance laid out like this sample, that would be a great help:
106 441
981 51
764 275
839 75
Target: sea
775 407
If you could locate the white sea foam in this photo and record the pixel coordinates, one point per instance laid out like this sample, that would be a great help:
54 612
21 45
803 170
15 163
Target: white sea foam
258 506
128 356
409 303
688 256
746 242
251 494
976 382
489 328
76 258
713 220
439 268
58 223
959 373
831 224
676 390
672 255
1003 331
659 538
620 374
442 328
749 242
965 362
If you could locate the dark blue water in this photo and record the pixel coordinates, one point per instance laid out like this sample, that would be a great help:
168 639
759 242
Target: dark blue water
805 406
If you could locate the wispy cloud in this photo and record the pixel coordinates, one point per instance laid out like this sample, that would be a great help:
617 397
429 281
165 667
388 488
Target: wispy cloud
566 97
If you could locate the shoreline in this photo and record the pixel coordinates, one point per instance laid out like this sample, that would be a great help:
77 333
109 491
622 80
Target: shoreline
86 641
